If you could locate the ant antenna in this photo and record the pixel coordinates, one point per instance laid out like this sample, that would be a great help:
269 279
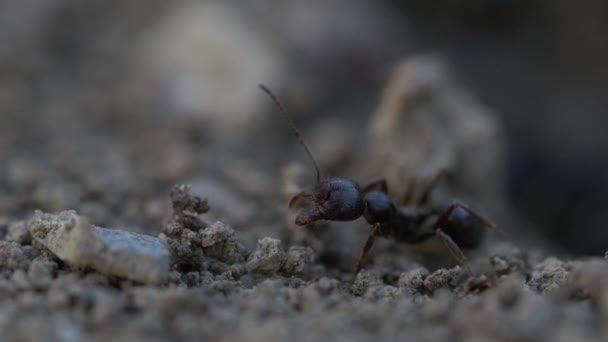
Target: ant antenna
293 127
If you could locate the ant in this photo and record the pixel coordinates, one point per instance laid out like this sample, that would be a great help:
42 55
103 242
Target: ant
342 199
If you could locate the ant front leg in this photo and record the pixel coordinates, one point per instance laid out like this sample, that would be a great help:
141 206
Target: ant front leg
368 246
376 184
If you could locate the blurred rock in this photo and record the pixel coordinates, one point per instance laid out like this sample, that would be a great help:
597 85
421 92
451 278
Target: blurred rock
591 276
205 59
426 121
116 252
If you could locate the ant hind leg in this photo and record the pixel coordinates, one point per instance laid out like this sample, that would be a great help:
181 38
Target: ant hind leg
474 213
455 251
426 194
409 192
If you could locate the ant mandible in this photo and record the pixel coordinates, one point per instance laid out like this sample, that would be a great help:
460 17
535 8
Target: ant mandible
341 199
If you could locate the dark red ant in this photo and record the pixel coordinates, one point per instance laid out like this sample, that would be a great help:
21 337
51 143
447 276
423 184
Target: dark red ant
341 199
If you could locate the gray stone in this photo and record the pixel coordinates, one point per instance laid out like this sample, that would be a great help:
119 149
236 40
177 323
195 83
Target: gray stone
427 121
71 238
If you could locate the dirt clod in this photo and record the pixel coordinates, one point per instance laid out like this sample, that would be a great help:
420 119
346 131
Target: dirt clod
414 278
549 275
17 231
297 259
12 256
268 257
441 278
218 241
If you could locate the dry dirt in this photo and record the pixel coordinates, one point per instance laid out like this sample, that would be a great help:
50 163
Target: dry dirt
103 127
240 269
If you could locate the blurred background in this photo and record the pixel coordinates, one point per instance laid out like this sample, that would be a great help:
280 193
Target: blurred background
105 104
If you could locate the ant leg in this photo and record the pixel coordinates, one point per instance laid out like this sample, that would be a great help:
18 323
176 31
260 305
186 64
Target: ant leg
368 246
409 193
377 184
488 223
426 195
455 250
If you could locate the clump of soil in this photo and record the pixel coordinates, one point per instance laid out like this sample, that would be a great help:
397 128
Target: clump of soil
279 292
178 269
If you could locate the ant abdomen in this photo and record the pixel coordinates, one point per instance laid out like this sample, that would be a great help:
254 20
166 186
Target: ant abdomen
464 227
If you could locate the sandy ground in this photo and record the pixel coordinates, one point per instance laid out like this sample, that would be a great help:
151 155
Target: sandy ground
100 136
239 269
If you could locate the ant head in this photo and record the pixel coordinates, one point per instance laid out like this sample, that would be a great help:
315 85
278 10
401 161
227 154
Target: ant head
334 199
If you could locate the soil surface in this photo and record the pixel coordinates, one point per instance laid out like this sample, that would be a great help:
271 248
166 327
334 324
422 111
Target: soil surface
98 139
